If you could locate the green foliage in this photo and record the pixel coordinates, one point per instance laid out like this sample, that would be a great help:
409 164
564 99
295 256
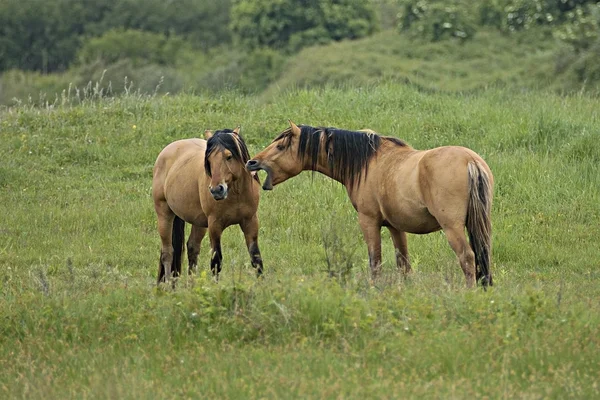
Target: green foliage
387 12
46 35
514 15
435 20
203 22
139 47
43 35
574 20
290 25
490 59
247 72
582 27
579 68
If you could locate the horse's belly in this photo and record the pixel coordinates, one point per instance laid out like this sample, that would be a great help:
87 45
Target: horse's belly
188 210
415 220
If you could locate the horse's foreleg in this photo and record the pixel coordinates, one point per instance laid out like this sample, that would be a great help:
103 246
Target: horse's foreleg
458 241
371 230
401 249
165 230
214 233
250 229
193 247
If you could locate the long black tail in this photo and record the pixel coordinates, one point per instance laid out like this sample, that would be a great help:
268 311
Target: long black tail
177 238
479 224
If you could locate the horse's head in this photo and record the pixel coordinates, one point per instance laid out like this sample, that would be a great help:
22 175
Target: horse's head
226 154
280 160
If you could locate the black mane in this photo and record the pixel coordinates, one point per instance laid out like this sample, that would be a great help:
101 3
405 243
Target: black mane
348 152
227 140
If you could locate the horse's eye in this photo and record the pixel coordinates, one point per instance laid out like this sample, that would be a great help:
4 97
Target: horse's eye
280 147
229 158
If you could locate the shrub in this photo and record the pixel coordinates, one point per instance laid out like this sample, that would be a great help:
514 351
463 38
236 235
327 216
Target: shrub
247 72
290 25
137 46
436 20
46 35
41 35
582 27
515 15
203 22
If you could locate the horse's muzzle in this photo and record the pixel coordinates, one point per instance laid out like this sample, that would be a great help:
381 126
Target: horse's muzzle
219 192
254 165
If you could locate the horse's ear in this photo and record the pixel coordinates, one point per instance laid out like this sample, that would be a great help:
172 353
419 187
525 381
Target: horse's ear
208 134
237 130
295 129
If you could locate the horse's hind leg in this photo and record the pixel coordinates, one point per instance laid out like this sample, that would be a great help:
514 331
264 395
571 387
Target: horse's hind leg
401 248
165 230
250 229
458 241
193 247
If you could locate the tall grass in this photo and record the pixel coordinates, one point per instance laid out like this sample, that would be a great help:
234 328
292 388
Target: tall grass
79 253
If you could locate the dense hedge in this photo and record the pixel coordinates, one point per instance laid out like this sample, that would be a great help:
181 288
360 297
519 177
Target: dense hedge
46 35
291 25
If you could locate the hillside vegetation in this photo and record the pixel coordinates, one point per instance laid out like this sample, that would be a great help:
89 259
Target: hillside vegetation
79 251
524 61
491 59
205 47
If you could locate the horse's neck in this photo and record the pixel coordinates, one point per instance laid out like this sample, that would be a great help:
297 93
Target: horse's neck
398 153
323 168
243 183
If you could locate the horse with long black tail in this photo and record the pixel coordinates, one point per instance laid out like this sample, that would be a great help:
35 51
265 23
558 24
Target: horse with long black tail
393 185
204 183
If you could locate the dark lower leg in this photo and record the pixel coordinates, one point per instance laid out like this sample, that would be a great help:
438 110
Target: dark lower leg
255 258
216 256
250 229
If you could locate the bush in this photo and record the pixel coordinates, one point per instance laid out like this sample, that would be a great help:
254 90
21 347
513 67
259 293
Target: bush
515 15
246 72
582 27
436 20
203 22
41 35
290 25
138 46
579 70
46 35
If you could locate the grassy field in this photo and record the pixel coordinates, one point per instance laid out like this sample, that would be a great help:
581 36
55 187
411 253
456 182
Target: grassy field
80 316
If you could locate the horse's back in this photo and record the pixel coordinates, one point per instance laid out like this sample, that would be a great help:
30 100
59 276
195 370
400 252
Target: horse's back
180 149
